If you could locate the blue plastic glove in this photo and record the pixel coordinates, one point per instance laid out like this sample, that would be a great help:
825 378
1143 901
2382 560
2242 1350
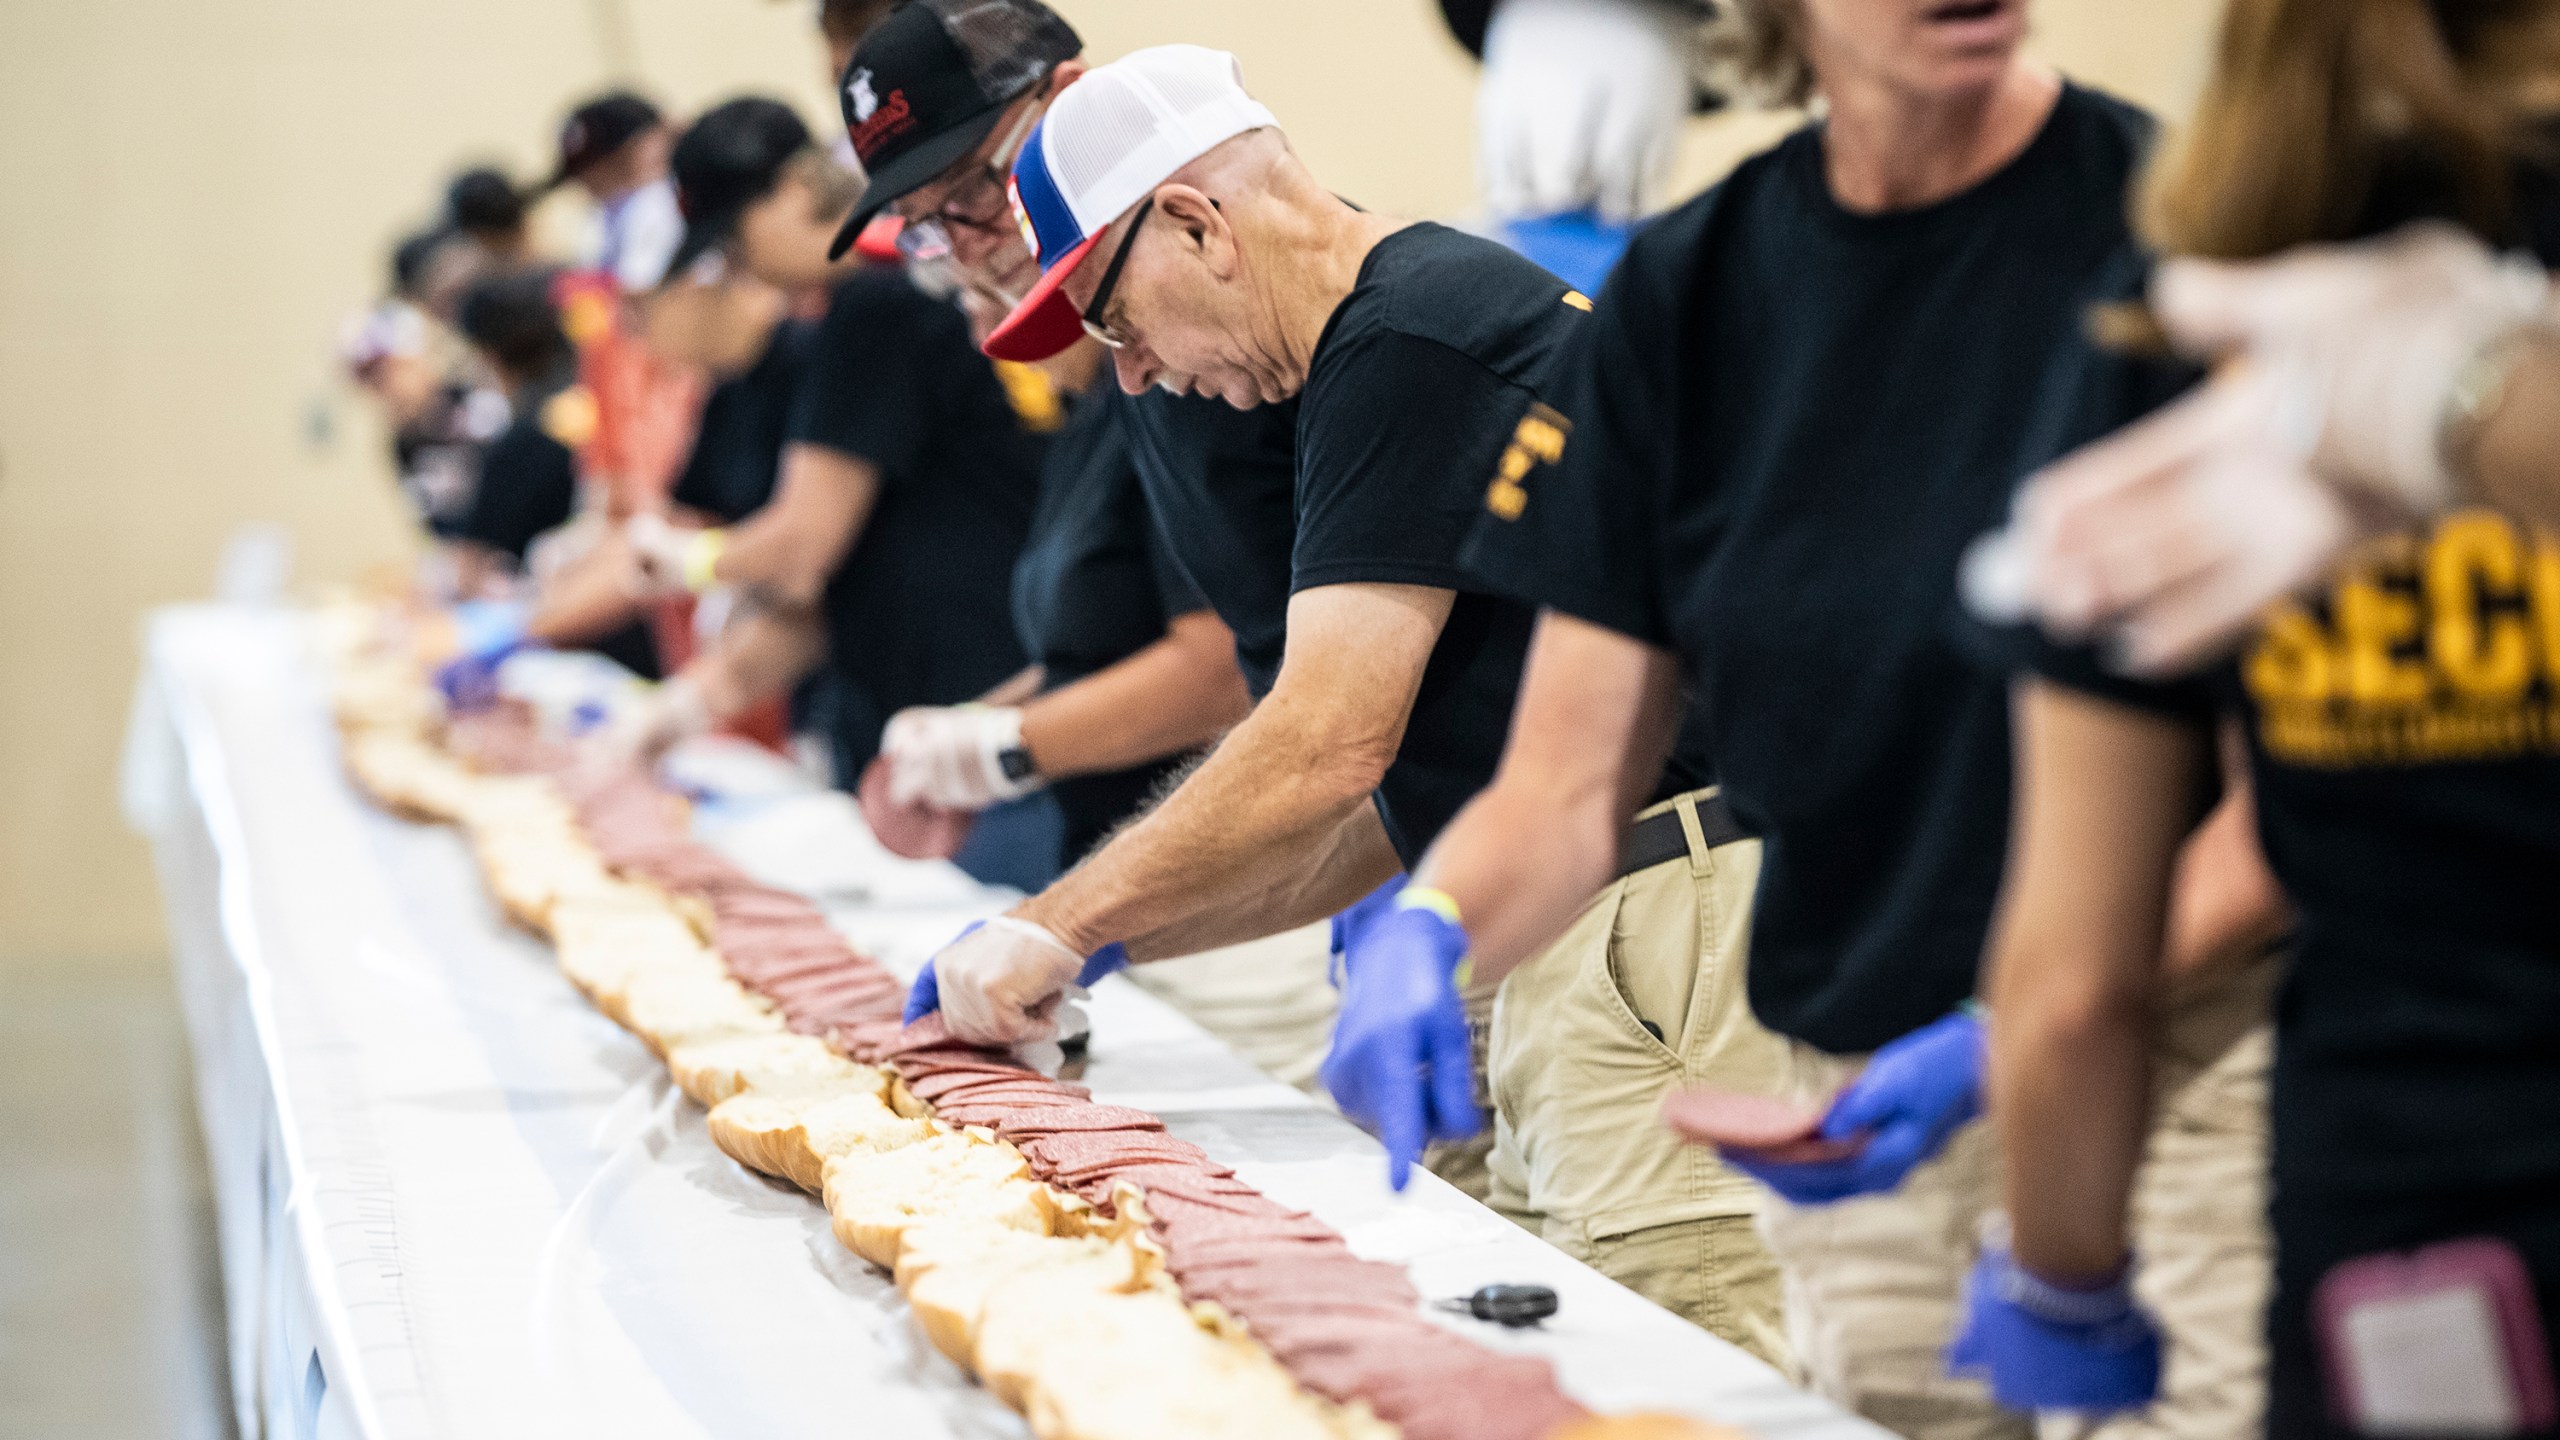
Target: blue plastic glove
1577 247
1913 1094
489 631
2046 1348
1401 1065
1355 921
925 995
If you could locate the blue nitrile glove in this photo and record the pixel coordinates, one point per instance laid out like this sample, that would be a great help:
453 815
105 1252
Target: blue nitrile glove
1577 247
1913 1094
925 995
2047 1348
1401 1065
488 631
1356 919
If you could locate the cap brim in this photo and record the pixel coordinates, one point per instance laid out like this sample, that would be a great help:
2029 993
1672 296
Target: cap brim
701 235
913 171
879 242
1046 321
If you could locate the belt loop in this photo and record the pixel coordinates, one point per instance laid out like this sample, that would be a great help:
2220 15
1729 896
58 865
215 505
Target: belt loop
1701 861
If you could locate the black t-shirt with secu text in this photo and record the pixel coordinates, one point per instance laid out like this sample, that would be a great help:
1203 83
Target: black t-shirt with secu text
2404 731
1787 421
918 612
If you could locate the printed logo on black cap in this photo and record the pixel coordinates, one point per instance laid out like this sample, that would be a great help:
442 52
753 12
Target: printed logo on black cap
875 121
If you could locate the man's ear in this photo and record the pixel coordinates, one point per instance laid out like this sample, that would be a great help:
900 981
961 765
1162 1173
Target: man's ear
1062 75
1201 224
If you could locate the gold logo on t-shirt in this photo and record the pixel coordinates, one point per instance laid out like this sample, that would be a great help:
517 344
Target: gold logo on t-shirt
2431 646
1578 301
1539 439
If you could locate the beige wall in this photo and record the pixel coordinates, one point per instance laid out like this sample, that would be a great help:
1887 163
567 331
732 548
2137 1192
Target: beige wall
191 195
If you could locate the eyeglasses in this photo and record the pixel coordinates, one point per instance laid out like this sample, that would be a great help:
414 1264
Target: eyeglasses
1111 281
977 202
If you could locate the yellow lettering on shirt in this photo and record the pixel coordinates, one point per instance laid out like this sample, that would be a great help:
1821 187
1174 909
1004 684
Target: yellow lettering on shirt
2482 653
2431 647
1578 301
1537 440
2292 661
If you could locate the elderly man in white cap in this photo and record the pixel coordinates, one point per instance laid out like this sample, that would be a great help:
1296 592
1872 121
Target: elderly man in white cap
1174 224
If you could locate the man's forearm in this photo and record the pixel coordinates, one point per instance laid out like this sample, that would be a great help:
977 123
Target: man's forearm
1173 696
761 652
1594 724
590 599
1521 865
784 553
1264 801
1323 883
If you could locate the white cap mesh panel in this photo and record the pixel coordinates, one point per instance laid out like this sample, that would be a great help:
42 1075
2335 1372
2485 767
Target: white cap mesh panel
1127 126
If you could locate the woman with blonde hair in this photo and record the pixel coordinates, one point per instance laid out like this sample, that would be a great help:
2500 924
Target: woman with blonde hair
2406 767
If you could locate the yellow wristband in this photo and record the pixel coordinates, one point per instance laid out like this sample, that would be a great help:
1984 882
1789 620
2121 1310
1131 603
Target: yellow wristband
1445 905
1432 898
702 559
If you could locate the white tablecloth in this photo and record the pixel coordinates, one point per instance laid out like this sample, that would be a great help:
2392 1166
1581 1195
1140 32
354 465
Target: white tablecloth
454 1200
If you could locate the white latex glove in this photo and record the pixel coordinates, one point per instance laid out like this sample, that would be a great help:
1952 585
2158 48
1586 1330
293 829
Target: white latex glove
1005 982
2381 329
2167 539
950 755
1580 104
660 548
640 732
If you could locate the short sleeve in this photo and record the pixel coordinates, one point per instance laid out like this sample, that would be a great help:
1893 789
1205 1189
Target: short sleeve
1572 507
861 394
528 485
1394 446
2090 392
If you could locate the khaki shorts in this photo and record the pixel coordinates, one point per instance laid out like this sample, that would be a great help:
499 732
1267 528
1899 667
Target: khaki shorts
1577 1075
1872 1284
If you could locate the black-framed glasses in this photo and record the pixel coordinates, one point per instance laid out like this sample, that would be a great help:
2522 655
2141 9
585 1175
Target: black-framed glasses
1111 281
978 202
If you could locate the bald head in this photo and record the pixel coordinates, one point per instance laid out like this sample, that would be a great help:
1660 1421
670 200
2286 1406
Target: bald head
1229 270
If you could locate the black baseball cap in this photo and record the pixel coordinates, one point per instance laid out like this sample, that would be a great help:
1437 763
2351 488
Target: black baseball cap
597 129
483 199
929 83
728 160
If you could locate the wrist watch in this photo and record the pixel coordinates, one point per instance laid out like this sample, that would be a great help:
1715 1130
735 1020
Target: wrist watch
1015 761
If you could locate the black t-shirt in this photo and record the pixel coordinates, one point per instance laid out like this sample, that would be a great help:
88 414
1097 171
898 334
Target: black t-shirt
437 455
918 613
528 486
1788 419
737 445
1222 484
2404 734
1095 585
528 475
1420 379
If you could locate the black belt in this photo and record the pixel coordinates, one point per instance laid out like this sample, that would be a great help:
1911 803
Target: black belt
1662 838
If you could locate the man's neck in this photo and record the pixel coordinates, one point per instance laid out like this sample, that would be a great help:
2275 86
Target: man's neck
1885 149
1324 244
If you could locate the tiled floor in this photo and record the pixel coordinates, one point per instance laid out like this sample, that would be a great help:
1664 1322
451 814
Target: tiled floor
110 1312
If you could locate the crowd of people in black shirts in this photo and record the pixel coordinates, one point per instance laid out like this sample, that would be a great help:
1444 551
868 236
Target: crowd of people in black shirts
1953 774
